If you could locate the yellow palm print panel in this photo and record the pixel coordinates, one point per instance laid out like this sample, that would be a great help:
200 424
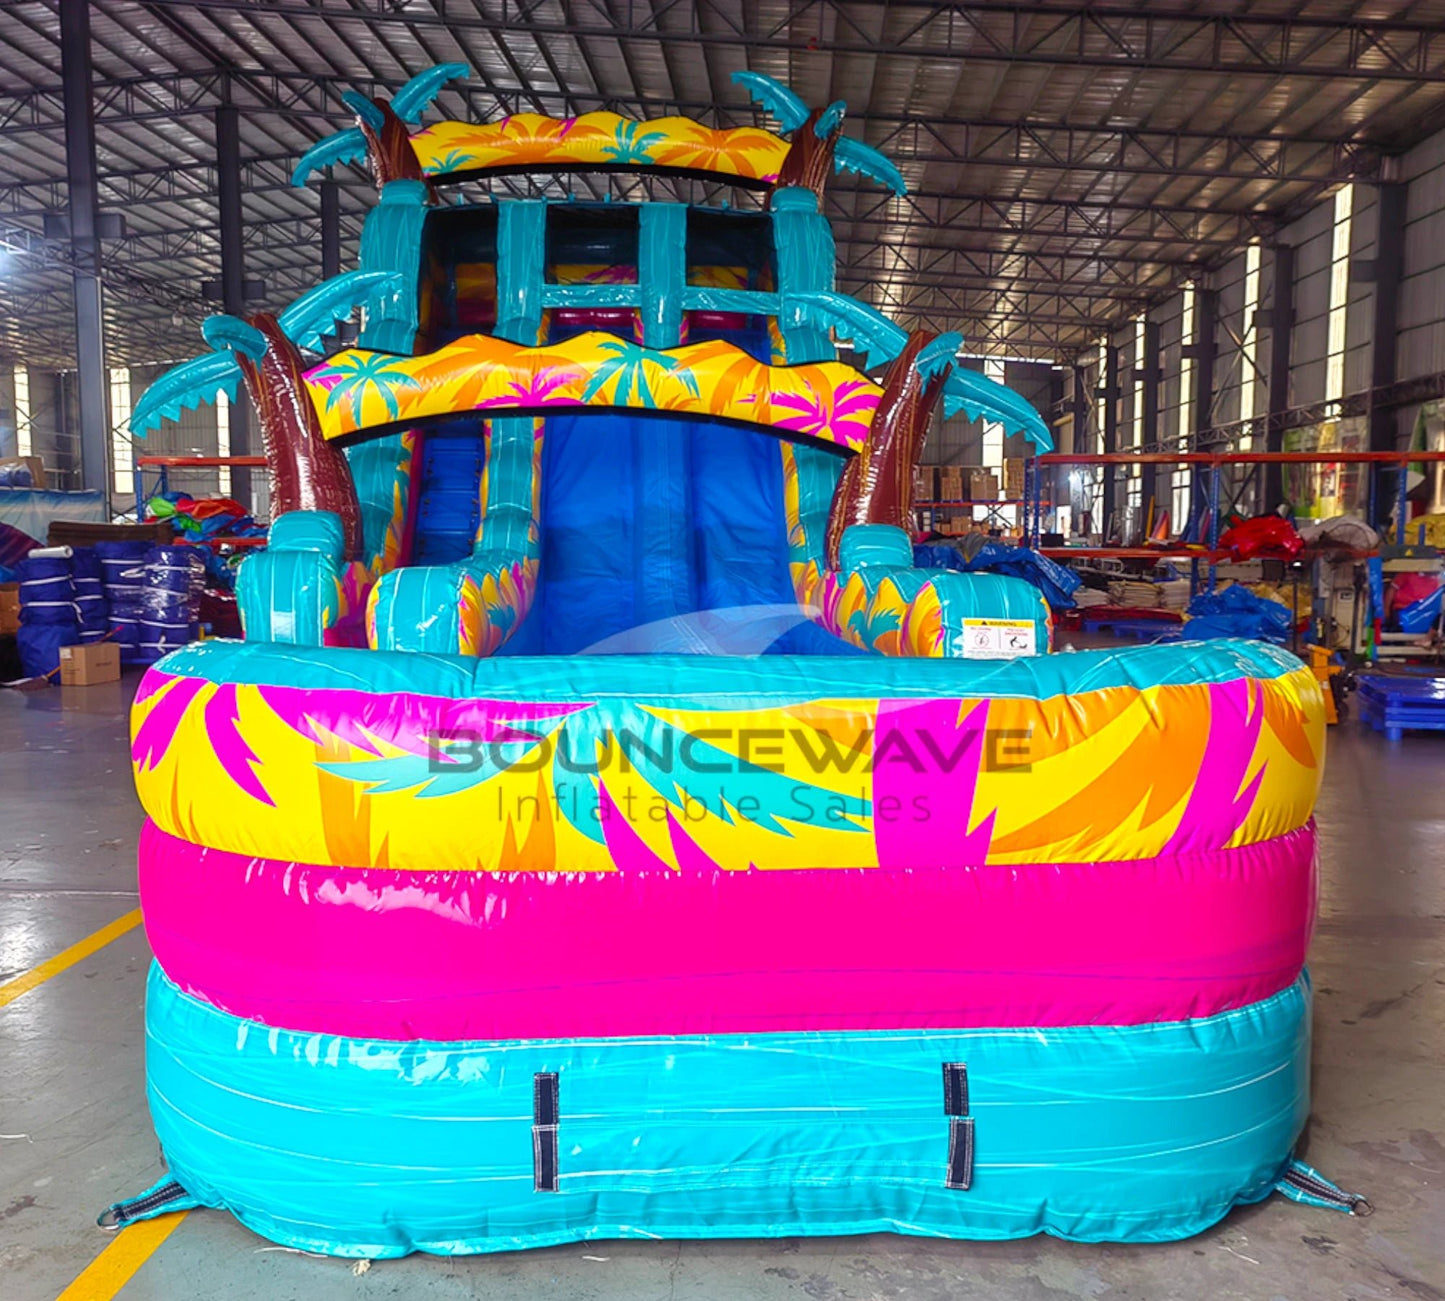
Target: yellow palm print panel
357 390
599 140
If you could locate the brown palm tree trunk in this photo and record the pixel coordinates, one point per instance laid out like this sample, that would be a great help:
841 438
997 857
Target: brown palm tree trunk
876 486
809 161
390 153
306 471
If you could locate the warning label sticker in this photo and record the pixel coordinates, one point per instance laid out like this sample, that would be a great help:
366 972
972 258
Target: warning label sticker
998 639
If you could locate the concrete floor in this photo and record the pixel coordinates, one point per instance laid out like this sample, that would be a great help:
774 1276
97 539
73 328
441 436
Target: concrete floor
75 1136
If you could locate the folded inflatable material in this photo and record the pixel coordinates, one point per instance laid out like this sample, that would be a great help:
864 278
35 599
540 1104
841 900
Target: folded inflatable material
1051 578
39 645
157 639
479 955
122 562
47 591
376 1148
442 763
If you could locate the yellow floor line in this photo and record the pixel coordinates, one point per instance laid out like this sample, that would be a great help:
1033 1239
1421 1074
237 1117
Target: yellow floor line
113 1268
26 981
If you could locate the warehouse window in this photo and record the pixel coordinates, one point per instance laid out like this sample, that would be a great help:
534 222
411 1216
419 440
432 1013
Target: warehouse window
1183 431
1249 338
1100 401
1138 422
223 443
1339 294
993 367
121 462
1135 492
1186 367
24 431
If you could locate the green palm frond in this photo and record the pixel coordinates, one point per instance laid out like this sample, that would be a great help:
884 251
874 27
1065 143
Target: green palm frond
633 145
414 98
184 388
318 311
352 377
347 146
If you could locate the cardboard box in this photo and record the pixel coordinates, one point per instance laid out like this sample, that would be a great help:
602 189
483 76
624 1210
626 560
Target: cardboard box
925 483
9 609
88 666
982 486
950 483
1013 477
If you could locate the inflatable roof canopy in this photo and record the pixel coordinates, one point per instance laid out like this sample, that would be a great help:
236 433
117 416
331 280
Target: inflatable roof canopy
496 880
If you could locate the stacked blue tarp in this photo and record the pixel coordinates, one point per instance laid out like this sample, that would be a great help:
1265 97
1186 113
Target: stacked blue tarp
92 610
1237 612
123 579
170 600
48 618
1056 583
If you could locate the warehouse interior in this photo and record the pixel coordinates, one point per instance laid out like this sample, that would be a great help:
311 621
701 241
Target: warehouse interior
1167 281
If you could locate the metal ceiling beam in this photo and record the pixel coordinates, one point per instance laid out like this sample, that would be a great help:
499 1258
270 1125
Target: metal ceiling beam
1082 271
1039 304
1185 223
164 95
990 31
1137 223
40 254
198 240
1039 146
1125 152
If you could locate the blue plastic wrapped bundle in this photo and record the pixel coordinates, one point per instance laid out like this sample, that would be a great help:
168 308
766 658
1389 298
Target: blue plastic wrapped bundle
1419 617
1056 583
92 609
170 602
1237 612
47 594
123 573
47 613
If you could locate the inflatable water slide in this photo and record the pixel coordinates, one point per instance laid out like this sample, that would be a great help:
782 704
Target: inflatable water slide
604 829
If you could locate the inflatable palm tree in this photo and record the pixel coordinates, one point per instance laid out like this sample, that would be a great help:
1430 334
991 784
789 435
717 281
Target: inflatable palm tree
265 353
380 136
819 145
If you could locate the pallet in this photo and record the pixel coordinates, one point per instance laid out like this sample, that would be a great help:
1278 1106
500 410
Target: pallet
1395 706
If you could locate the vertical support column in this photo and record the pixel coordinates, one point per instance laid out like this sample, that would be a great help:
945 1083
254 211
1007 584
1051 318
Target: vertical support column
392 239
521 260
330 229
806 258
1111 436
1206 317
662 269
1157 478
84 202
1389 269
1281 328
513 449
233 274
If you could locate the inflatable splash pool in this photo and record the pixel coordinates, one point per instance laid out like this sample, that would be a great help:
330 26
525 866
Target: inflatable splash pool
605 830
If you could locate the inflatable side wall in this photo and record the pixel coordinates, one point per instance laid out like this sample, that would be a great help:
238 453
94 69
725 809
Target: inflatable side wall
540 982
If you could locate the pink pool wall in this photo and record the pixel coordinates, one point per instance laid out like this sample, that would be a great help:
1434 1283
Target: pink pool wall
393 954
